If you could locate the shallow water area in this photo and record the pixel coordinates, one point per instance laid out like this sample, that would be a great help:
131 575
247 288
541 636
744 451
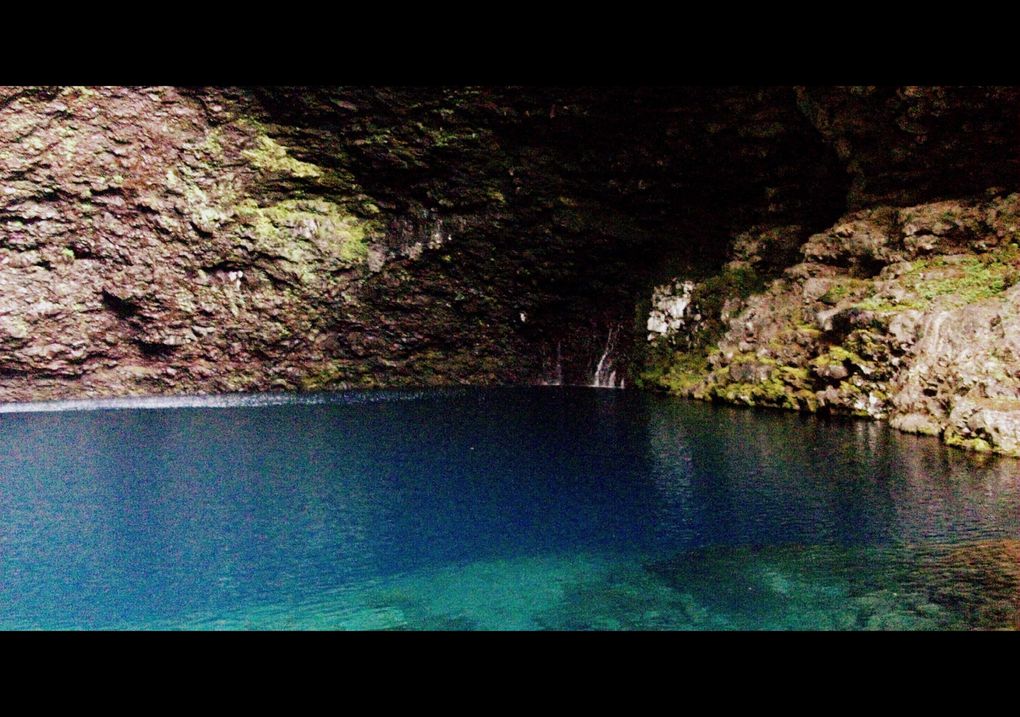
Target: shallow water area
495 508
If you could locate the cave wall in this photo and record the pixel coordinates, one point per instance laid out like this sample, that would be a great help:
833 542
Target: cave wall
177 240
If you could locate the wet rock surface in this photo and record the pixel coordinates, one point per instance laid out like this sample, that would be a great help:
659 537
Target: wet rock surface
875 323
181 240
165 240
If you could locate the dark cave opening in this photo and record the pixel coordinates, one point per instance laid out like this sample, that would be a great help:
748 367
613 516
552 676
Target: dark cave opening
569 204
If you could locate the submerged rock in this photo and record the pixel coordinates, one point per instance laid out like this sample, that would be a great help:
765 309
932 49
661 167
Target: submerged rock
907 587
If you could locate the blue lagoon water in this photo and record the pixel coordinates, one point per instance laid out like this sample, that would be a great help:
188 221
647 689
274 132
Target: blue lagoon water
501 508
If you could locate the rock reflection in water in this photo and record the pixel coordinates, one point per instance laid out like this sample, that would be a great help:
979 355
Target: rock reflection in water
741 476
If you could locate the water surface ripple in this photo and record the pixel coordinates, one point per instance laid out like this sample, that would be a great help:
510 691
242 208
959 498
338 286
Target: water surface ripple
497 508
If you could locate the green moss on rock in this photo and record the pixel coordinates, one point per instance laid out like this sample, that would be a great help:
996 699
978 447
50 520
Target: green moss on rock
680 374
954 439
270 156
304 231
957 280
839 355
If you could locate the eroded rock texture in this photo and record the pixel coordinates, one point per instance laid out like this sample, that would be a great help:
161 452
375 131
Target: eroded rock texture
168 240
155 241
911 314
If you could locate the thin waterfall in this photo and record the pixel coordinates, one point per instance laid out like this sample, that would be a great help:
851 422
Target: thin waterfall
558 380
554 377
605 374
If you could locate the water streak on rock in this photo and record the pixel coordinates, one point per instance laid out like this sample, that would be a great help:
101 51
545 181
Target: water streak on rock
605 373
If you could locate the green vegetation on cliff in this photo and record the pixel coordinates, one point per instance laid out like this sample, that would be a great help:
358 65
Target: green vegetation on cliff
905 332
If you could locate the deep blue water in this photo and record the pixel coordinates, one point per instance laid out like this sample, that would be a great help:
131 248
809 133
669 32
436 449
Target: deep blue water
510 508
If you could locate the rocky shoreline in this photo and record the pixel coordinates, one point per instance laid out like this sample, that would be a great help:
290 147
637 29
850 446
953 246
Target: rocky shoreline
162 241
907 314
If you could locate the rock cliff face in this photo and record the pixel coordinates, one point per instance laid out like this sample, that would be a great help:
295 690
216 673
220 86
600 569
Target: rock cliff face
169 240
910 314
165 240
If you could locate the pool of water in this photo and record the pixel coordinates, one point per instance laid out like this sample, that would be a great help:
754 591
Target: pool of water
500 508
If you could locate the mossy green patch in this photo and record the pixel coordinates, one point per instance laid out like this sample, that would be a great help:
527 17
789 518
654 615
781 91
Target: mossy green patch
960 280
838 354
707 300
952 438
794 374
835 294
688 372
882 306
324 377
212 144
680 374
842 288
738 282
806 328
303 231
749 357
270 156
774 391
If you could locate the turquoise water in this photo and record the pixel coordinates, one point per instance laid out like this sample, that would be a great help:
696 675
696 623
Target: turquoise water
502 508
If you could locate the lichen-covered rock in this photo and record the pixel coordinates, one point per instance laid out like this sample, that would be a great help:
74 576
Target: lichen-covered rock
169 240
877 325
963 373
986 424
157 239
142 252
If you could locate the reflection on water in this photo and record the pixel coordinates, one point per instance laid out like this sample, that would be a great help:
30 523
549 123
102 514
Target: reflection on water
497 509
755 476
